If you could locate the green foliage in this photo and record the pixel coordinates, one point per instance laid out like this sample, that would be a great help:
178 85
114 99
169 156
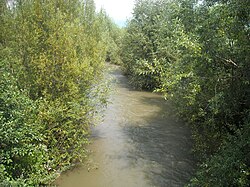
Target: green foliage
153 42
23 154
230 165
140 44
113 35
52 63
197 54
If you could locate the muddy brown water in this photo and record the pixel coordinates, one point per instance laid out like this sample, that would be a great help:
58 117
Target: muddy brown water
138 144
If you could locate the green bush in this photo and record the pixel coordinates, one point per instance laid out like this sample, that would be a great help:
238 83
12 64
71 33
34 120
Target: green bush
196 53
23 155
230 165
112 35
52 65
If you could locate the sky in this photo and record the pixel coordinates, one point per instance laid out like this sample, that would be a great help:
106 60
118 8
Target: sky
118 10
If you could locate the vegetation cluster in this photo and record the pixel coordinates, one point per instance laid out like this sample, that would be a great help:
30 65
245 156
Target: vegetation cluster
51 85
197 54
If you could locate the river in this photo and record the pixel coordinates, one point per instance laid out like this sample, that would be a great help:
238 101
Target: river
138 144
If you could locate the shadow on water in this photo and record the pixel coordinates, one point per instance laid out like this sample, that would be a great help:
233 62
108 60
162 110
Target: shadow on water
162 146
138 144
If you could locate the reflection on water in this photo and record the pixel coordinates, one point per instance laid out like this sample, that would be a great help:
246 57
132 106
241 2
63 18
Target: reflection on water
138 144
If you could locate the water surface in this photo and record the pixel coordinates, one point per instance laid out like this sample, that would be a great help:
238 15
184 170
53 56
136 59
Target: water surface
139 144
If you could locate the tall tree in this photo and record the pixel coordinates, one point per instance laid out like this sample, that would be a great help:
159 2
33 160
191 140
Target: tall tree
197 54
52 58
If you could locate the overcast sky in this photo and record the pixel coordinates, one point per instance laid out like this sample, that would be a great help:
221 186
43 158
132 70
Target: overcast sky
118 10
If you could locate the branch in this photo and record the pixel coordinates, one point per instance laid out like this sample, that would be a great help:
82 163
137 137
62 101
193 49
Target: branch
228 61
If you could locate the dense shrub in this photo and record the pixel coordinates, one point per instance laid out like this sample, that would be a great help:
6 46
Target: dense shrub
52 64
113 36
197 54
23 155
230 165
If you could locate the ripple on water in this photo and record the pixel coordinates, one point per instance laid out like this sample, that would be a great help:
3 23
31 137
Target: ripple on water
139 144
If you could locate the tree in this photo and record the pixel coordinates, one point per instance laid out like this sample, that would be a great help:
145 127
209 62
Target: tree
52 58
197 54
